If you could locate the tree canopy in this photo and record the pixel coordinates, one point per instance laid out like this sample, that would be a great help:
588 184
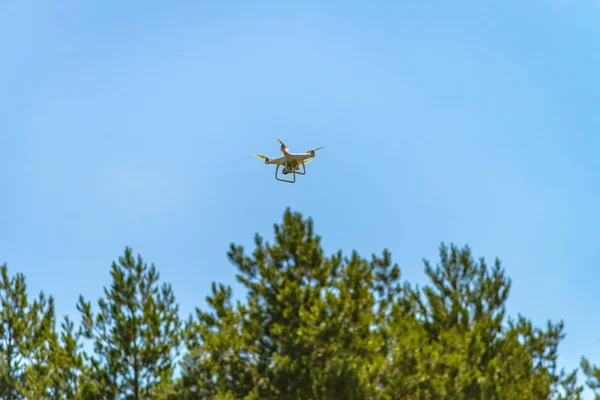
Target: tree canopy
310 326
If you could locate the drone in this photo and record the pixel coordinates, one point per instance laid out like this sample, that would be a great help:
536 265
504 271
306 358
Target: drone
290 162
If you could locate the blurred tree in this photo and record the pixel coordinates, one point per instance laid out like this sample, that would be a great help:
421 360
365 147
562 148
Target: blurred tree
136 334
57 370
325 328
455 342
592 374
26 330
309 327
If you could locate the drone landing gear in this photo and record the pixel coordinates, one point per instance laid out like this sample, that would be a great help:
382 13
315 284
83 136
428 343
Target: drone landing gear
285 172
303 170
289 170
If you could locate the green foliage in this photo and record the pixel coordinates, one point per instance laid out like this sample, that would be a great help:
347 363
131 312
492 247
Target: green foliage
592 373
345 327
310 326
26 330
308 329
58 370
454 342
136 333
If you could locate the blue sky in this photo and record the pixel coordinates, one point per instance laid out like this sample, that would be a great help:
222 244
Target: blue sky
134 123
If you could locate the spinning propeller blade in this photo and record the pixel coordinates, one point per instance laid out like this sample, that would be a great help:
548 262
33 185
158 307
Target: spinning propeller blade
318 148
283 146
261 156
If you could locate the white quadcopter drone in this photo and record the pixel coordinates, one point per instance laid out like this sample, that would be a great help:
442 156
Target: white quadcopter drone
290 161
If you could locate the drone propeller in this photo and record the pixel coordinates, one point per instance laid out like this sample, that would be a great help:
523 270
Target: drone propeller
262 157
283 146
312 152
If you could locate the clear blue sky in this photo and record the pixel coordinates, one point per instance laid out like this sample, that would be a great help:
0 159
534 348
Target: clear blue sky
134 123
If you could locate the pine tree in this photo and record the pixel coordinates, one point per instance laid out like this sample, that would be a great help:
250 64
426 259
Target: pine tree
592 374
136 333
456 342
26 330
308 328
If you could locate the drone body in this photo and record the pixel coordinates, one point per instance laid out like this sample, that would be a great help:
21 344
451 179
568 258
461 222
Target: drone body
291 162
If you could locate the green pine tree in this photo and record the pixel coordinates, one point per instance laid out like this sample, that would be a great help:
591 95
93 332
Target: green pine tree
456 342
26 330
309 328
136 334
592 374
